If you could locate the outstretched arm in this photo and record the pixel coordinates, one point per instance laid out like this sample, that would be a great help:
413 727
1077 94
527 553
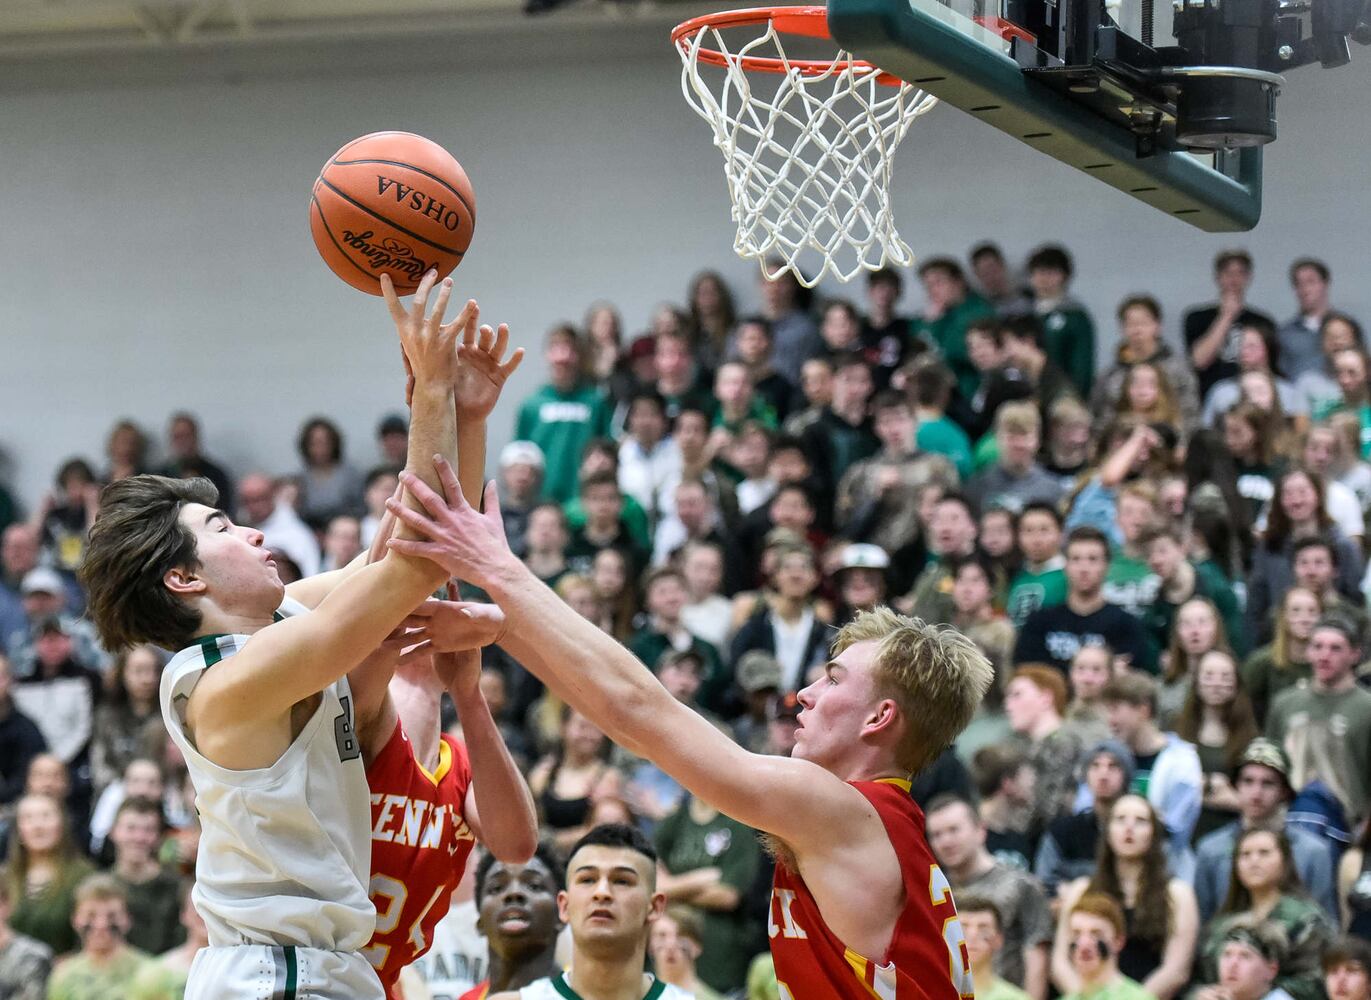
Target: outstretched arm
299 657
498 807
834 831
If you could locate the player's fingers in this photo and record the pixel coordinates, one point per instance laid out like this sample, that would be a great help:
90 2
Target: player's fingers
487 338
419 303
507 369
415 653
413 547
501 341
491 507
435 319
425 494
409 516
397 311
447 476
473 321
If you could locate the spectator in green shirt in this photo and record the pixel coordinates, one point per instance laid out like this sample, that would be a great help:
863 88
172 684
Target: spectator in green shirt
709 861
1041 580
1095 936
43 869
930 383
983 929
106 967
563 415
950 306
1068 331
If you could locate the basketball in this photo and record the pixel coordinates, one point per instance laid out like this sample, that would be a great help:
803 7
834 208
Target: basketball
391 203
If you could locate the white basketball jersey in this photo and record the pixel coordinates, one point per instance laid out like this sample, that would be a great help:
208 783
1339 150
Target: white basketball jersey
559 988
285 851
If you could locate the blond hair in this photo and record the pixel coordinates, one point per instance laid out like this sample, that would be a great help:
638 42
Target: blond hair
100 888
1018 418
936 675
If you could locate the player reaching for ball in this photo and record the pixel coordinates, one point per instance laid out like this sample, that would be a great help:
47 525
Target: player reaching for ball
432 796
858 905
262 696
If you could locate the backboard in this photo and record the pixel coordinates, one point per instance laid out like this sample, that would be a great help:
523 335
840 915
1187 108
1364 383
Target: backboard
966 53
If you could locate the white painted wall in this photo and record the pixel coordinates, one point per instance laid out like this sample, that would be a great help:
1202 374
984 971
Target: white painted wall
157 252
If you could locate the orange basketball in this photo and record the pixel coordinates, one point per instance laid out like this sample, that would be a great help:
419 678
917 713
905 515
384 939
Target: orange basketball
391 203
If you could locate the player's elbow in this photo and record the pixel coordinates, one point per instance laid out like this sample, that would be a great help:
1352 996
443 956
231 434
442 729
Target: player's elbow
516 848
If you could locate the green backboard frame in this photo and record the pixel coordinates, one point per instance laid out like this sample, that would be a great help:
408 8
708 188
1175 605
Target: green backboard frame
955 59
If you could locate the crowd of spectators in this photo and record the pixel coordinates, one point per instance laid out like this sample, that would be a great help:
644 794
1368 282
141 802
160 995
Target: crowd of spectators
1158 541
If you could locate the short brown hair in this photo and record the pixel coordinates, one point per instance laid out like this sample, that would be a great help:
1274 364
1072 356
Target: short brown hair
100 888
982 904
137 538
1347 950
1097 904
991 766
936 675
1047 679
1131 688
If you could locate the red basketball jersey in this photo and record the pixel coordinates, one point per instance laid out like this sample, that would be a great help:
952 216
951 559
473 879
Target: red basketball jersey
419 848
478 992
927 959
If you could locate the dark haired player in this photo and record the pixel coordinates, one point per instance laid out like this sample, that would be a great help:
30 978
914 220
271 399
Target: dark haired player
517 907
610 902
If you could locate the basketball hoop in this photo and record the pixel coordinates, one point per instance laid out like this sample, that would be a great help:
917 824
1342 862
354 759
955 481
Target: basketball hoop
809 164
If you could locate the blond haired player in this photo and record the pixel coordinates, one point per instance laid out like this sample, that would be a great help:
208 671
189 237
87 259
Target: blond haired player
859 907
264 696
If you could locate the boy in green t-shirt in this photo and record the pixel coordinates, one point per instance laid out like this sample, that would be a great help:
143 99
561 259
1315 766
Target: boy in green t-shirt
105 967
563 416
1041 582
983 929
1094 938
1130 582
1068 330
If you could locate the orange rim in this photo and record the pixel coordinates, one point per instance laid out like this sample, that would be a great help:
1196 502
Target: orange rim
811 22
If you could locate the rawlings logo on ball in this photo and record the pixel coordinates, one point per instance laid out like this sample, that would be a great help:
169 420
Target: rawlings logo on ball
389 253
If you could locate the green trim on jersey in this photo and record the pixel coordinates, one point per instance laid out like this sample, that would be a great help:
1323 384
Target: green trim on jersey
209 648
563 987
290 972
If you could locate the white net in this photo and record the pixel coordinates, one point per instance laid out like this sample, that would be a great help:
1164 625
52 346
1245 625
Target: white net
807 150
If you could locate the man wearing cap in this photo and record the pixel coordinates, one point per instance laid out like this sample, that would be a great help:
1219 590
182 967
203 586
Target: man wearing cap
1067 850
860 577
759 676
1325 727
1262 781
520 482
44 596
60 695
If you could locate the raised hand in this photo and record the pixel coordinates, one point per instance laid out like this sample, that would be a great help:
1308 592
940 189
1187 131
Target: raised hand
481 373
467 543
429 345
453 626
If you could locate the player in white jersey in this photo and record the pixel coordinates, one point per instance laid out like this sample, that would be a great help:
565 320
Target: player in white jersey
264 696
610 903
